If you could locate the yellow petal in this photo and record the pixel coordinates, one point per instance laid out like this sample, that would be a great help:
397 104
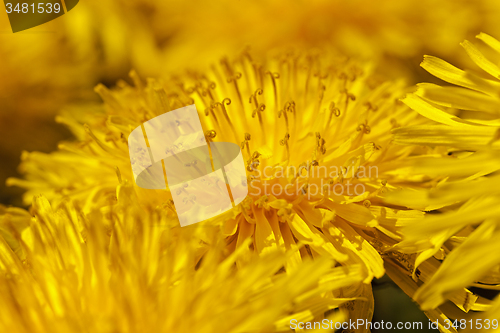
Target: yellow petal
429 111
452 74
460 98
481 60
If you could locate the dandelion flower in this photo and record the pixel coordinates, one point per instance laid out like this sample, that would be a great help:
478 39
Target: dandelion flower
315 130
118 269
462 172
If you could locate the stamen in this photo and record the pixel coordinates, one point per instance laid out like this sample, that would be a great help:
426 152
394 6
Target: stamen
194 165
303 189
284 142
308 76
320 97
262 201
245 143
320 77
209 135
107 97
382 189
302 166
253 98
172 150
258 73
333 111
343 76
355 71
225 65
119 175
210 110
274 76
137 80
371 107
258 107
185 92
320 145
365 128
177 101
201 93
289 107
246 65
169 205
216 73
209 89
226 101
348 96
162 97
222 105
234 79
253 162
99 143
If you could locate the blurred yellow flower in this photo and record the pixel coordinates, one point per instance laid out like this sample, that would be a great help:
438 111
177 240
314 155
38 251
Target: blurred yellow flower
42 69
307 111
158 37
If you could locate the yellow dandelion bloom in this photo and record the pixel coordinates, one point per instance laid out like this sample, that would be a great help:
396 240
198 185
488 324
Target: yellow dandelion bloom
99 42
462 168
323 138
317 127
118 269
